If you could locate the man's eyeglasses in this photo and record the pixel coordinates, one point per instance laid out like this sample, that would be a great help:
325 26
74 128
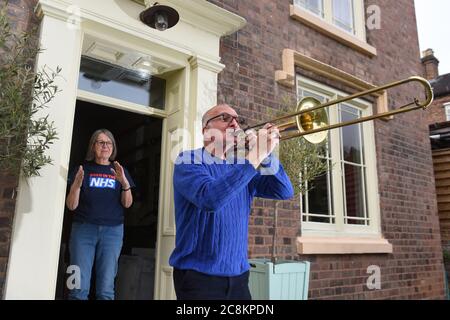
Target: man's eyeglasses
228 118
104 143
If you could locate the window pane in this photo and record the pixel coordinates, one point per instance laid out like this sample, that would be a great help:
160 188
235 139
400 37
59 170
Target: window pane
306 93
351 135
114 81
354 194
315 6
447 112
319 206
318 196
343 14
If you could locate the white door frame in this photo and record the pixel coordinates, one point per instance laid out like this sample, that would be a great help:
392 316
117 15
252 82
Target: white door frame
193 43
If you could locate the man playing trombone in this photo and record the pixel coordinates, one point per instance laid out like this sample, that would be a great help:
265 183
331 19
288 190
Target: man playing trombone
213 191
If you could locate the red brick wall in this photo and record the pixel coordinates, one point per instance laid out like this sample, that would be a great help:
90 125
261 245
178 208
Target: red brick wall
7 205
436 112
405 173
22 18
430 71
430 64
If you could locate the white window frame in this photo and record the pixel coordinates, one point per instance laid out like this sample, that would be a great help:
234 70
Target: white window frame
359 25
447 111
339 229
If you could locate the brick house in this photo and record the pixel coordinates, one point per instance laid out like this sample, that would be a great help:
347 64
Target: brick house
440 109
307 54
439 123
377 207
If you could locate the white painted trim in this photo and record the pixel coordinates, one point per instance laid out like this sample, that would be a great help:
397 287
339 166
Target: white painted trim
446 107
53 8
204 13
120 104
341 245
200 16
360 20
205 63
211 17
38 219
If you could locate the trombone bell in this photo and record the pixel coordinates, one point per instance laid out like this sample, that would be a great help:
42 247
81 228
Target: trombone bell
313 120
307 121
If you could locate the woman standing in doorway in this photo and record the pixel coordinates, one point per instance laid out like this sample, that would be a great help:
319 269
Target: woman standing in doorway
100 189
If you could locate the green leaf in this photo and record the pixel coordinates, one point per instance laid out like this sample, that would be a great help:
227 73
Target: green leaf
24 139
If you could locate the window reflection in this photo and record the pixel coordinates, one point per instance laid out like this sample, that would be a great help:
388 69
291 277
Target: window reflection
354 195
351 135
315 6
115 81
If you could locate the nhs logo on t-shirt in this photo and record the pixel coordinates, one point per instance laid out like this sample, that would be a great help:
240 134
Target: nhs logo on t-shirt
101 180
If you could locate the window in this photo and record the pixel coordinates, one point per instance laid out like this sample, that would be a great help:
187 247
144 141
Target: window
115 81
344 200
447 111
340 13
342 20
315 6
343 15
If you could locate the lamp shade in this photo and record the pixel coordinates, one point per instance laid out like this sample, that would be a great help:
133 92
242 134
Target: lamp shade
160 17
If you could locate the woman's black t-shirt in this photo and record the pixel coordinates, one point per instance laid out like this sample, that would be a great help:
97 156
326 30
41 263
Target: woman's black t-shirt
100 195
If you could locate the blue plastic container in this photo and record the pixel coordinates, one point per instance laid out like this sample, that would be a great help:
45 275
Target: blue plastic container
285 280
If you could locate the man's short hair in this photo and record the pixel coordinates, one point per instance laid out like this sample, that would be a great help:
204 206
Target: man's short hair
206 115
205 118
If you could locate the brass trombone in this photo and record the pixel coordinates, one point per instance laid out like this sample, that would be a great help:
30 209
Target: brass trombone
311 119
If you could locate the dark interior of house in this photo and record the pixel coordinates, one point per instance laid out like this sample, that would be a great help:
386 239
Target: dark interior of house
138 140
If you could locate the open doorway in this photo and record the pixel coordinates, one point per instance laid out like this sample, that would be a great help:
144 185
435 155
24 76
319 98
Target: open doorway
138 140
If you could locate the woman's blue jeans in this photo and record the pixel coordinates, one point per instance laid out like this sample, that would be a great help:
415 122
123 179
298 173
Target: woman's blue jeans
102 243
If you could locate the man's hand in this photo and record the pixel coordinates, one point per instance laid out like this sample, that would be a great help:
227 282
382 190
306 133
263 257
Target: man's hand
78 181
251 139
120 175
262 144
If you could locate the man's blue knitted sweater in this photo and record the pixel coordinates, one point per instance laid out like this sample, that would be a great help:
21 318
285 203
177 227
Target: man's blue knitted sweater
212 207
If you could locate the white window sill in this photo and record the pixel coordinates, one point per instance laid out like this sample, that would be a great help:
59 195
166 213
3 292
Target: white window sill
344 245
331 31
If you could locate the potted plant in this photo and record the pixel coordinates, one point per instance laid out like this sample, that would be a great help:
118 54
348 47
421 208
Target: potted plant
274 279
